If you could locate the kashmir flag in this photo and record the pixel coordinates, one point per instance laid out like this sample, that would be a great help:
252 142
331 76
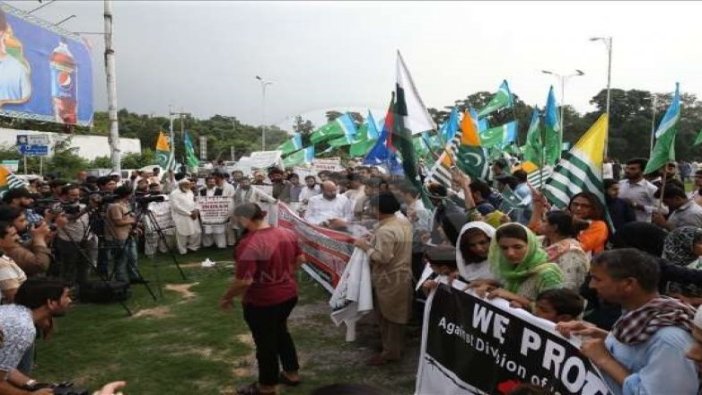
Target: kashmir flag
664 150
580 169
416 118
502 99
292 145
340 127
301 157
552 130
533 148
164 155
500 136
366 137
190 158
8 180
698 140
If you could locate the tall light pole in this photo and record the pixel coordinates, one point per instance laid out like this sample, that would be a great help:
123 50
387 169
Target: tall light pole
113 137
608 43
654 99
264 84
563 78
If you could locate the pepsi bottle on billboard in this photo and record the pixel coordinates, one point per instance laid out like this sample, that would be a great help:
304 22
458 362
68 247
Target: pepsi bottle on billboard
63 84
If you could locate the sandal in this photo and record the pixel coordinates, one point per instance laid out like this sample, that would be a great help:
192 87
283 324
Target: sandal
283 379
252 389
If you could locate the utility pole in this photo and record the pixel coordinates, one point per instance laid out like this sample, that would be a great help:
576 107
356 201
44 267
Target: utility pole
115 153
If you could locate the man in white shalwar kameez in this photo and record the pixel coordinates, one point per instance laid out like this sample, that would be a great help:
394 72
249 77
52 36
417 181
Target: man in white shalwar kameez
185 217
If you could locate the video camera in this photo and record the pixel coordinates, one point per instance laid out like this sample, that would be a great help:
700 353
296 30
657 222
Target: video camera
144 200
65 388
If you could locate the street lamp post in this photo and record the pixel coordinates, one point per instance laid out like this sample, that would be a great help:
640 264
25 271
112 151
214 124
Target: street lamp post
264 83
563 78
608 43
654 99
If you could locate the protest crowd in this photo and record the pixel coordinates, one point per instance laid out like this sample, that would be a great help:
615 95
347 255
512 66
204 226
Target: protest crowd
625 277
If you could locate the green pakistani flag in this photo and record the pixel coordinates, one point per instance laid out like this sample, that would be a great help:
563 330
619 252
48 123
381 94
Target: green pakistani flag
340 127
698 140
502 99
190 158
664 150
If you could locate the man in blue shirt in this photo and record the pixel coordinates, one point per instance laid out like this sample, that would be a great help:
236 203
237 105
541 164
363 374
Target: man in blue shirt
645 351
15 86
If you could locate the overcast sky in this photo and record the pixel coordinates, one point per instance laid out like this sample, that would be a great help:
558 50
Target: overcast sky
203 56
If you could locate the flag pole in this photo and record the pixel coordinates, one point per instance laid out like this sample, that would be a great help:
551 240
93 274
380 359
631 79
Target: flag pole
542 157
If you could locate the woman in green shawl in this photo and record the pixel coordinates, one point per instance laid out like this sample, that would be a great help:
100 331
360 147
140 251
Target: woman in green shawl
520 265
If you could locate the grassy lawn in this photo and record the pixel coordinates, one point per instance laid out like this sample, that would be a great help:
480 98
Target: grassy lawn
183 344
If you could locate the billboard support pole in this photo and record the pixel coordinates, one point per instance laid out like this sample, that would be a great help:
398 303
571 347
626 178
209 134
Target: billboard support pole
25 164
41 166
111 90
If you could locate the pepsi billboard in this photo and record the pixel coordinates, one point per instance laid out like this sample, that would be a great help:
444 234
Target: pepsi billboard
45 71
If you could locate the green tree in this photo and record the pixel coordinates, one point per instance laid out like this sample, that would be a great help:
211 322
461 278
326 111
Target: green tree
302 126
102 162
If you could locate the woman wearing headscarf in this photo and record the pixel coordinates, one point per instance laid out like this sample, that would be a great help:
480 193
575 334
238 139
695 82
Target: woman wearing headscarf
472 249
584 206
563 249
521 266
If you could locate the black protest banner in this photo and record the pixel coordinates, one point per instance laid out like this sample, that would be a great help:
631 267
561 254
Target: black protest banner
475 346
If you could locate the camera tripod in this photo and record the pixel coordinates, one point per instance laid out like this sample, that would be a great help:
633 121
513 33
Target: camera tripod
145 212
93 265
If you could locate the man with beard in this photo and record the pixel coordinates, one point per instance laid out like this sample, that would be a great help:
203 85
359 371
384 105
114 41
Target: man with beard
20 198
644 353
73 238
35 258
638 191
311 189
329 209
390 253
281 187
185 216
37 302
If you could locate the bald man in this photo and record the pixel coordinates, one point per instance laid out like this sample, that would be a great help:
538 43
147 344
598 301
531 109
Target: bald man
329 209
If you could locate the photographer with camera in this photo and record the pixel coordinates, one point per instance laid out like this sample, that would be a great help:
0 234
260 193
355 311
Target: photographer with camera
106 184
37 302
21 198
119 223
11 275
35 258
74 241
